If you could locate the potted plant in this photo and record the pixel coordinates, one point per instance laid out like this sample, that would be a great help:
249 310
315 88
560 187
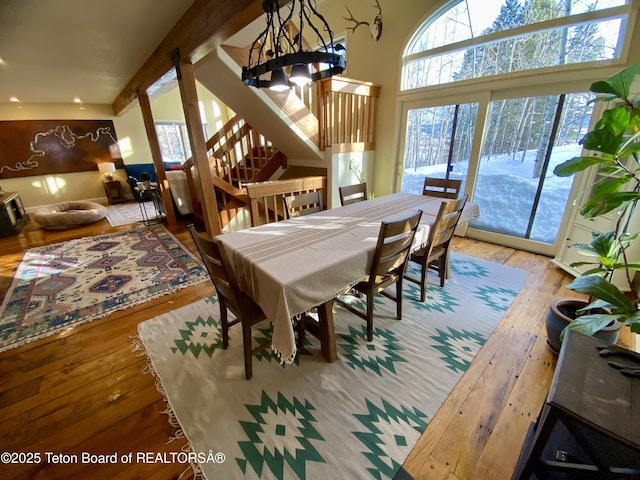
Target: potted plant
145 177
615 143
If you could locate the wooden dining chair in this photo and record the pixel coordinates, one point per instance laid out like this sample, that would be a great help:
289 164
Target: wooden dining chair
435 254
441 187
303 204
352 193
387 268
230 297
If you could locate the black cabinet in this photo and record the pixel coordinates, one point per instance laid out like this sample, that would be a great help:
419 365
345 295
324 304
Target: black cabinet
589 426
12 215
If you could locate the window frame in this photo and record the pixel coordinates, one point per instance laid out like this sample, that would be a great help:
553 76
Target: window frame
629 11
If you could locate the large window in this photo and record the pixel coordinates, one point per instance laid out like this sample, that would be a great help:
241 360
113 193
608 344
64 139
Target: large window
174 141
438 144
525 138
503 137
479 38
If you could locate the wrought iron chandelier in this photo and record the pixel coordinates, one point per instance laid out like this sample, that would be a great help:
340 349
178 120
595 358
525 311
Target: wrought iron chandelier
280 46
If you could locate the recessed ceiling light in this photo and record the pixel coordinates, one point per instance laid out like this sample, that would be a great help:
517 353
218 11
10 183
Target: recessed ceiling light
77 100
14 99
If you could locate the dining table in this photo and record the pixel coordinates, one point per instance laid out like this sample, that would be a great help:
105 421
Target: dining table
293 266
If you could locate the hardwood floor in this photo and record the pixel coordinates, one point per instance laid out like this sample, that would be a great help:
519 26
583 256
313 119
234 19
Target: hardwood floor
84 390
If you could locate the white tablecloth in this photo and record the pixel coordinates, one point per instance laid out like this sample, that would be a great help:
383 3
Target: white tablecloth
289 267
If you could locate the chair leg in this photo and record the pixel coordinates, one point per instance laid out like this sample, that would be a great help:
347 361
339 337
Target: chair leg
224 325
370 316
248 352
443 269
301 331
399 298
423 281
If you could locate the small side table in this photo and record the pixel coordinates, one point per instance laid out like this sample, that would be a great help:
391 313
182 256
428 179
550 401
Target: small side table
113 189
588 427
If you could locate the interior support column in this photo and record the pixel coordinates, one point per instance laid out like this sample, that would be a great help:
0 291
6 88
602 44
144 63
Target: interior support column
156 155
189 96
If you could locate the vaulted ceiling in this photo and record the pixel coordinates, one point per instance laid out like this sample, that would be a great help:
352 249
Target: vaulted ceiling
53 51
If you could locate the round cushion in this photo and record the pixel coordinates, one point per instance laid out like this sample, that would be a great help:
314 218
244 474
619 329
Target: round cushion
69 214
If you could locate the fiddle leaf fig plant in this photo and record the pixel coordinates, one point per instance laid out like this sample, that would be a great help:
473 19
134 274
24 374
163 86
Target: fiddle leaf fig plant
615 146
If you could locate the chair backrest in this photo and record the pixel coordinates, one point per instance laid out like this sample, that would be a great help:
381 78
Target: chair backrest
394 243
441 187
215 259
446 223
133 186
303 204
353 193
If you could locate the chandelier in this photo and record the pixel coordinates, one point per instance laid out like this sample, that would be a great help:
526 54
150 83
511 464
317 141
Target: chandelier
278 50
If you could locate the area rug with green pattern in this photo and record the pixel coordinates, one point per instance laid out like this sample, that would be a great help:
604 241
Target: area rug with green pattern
58 286
357 417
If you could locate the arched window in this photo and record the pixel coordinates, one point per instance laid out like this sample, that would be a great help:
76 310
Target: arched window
478 38
515 105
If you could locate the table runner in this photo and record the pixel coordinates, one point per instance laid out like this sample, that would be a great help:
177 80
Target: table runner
292 266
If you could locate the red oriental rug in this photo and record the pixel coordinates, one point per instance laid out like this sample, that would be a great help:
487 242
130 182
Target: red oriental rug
58 286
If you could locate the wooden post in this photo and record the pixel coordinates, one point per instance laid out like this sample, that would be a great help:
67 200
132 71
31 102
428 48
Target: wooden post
189 96
205 26
156 155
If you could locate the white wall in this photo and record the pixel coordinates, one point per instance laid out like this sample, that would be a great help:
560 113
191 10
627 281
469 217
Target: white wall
379 62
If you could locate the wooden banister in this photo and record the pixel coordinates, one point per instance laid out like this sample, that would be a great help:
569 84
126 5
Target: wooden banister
238 155
346 112
265 198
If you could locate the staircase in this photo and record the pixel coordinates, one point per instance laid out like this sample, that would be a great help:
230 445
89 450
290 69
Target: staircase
244 151
238 155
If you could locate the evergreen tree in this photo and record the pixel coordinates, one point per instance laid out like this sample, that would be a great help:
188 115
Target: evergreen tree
521 124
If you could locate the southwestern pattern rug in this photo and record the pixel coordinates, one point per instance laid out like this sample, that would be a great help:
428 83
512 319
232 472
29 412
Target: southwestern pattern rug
358 417
58 286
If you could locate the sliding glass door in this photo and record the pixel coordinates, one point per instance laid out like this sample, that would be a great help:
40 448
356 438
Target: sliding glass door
505 152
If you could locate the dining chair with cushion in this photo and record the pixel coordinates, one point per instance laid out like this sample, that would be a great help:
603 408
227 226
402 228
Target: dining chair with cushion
441 187
246 311
302 204
435 253
387 267
353 193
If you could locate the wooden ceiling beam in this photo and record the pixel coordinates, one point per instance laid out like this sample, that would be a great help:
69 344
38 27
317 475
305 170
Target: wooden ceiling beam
203 28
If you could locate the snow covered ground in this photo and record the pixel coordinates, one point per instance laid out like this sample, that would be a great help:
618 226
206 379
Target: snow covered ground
505 191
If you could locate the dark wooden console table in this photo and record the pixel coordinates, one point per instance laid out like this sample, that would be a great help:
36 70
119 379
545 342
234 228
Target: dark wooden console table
113 189
12 214
589 426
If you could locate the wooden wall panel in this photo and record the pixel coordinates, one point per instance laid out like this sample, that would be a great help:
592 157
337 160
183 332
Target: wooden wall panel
45 147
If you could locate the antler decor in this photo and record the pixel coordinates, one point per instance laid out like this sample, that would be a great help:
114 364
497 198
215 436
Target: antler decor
375 27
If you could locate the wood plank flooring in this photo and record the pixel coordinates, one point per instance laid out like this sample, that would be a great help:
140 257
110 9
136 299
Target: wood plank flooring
85 390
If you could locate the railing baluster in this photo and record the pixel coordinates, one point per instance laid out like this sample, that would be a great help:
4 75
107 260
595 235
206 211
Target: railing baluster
270 194
346 111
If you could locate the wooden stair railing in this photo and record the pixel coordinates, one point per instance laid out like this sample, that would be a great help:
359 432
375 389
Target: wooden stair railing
346 111
238 155
265 198
334 111
346 115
